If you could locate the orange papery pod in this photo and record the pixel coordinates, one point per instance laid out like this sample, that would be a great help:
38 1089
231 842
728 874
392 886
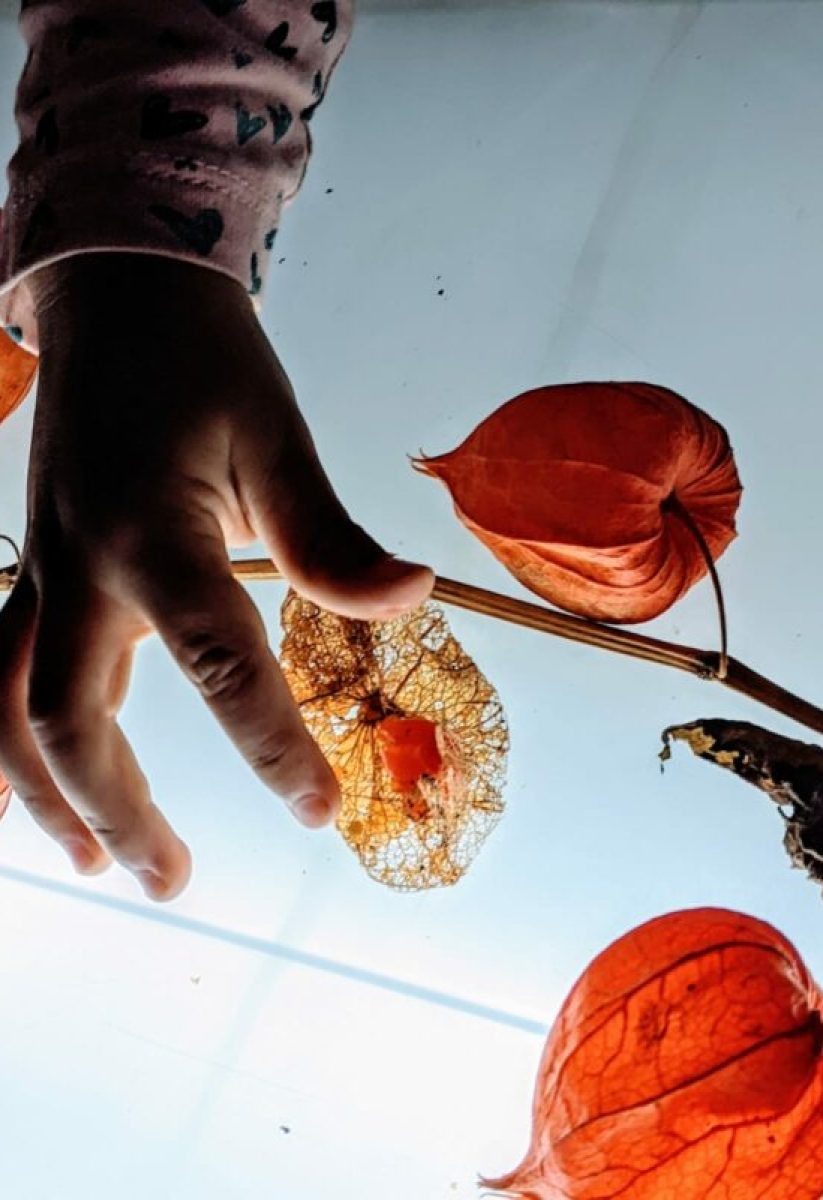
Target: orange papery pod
415 734
17 371
684 1065
604 498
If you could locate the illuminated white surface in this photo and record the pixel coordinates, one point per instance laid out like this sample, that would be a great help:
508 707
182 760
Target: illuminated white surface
604 190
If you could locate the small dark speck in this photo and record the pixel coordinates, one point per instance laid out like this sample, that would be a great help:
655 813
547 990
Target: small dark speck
438 277
329 191
771 1139
281 261
441 291
305 264
285 1129
698 57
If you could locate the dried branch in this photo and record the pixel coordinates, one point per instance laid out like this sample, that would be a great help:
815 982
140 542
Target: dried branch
705 664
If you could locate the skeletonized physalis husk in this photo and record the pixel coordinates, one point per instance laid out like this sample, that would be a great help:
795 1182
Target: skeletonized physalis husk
415 733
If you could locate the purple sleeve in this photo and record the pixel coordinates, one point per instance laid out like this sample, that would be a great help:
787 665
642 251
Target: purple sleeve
177 129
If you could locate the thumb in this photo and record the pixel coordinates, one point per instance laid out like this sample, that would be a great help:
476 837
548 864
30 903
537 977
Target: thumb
322 552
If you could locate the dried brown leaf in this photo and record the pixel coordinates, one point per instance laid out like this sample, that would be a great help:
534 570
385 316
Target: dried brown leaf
788 771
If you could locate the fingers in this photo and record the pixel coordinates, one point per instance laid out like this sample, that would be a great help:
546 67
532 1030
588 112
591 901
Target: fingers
216 635
322 552
79 671
20 757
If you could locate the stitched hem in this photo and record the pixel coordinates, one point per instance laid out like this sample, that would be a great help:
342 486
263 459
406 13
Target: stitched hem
202 214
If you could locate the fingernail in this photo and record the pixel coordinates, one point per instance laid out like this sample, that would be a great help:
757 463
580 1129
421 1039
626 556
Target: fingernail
410 584
390 569
312 811
83 858
152 884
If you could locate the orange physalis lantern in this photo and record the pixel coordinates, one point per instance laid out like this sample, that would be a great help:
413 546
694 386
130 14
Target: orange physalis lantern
17 371
597 495
685 1063
414 732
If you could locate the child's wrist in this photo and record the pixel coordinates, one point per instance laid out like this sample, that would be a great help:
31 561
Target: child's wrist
99 293
132 277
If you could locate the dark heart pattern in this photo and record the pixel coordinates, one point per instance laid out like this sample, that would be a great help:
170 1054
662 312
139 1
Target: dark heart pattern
82 30
242 59
248 125
276 43
256 282
325 11
41 231
281 120
159 121
222 8
199 233
269 239
317 91
47 135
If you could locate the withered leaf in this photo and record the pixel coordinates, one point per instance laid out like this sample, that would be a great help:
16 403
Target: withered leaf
790 772
415 733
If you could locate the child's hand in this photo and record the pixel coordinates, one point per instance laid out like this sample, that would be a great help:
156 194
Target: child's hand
165 430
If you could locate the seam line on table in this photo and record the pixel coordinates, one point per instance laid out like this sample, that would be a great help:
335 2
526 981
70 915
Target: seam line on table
259 945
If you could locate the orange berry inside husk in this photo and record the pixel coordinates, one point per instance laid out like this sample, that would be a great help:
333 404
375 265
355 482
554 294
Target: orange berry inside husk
408 749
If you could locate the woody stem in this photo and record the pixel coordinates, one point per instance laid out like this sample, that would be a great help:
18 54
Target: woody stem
702 663
4 537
